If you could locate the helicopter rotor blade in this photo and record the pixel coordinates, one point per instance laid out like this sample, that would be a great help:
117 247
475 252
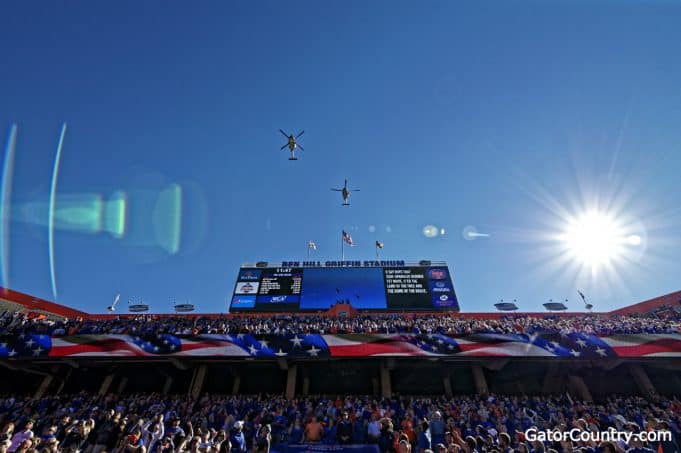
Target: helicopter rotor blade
301 133
285 145
283 133
337 190
301 148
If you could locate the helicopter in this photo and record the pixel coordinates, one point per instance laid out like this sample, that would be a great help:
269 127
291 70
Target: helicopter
345 192
292 143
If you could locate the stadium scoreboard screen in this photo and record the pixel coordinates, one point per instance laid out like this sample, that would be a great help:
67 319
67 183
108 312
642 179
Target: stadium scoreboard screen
367 285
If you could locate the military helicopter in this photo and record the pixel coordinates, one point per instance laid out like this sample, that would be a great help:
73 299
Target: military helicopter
292 143
346 193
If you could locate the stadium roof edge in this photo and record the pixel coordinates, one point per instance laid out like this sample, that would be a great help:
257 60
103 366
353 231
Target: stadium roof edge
30 303
668 300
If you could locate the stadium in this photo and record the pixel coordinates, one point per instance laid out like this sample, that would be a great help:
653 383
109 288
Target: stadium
348 227
303 364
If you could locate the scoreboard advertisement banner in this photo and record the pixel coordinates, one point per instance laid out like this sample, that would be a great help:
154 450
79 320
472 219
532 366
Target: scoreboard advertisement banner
366 287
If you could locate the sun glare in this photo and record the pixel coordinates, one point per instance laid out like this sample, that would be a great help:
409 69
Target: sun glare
594 239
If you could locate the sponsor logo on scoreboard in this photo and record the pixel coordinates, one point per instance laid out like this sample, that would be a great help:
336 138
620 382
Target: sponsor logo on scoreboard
249 275
246 288
243 302
287 299
438 274
444 300
440 287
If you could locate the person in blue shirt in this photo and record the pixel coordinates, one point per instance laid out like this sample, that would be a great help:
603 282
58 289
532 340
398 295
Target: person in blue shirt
424 439
360 431
295 432
437 429
329 433
237 438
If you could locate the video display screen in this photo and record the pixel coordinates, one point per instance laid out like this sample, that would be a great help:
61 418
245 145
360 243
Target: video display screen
417 288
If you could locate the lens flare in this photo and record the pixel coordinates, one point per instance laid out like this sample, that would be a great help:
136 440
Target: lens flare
50 215
430 231
82 213
5 204
167 217
634 239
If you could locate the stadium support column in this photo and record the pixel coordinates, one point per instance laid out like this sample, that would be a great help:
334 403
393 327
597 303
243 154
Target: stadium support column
122 384
306 381
197 381
645 386
236 384
291 381
106 384
167 385
479 380
577 386
553 380
44 385
447 384
386 383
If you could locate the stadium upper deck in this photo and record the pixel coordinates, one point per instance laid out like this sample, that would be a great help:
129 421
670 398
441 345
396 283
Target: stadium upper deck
195 353
13 301
35 334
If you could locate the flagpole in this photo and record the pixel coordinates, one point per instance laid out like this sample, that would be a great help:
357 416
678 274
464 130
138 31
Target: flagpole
342 249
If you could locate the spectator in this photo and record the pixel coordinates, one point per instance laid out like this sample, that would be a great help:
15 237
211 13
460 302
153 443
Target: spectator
21 436
263 440
134 443
237 438
386 441
373 429
7 432
295 432
344 430
330 433
424 437
314 431
437 428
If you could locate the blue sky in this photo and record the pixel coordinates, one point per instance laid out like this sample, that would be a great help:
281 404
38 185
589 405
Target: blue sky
493 114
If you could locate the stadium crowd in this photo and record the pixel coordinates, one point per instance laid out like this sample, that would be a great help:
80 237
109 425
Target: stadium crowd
473 424
449 324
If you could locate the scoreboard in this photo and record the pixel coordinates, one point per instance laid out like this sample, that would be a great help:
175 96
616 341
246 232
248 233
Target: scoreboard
366 285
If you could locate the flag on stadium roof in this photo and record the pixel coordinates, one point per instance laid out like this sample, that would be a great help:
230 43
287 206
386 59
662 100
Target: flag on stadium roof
312 245
347 238
379 244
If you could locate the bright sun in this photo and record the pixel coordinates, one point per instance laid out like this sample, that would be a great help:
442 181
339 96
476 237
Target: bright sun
594 239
